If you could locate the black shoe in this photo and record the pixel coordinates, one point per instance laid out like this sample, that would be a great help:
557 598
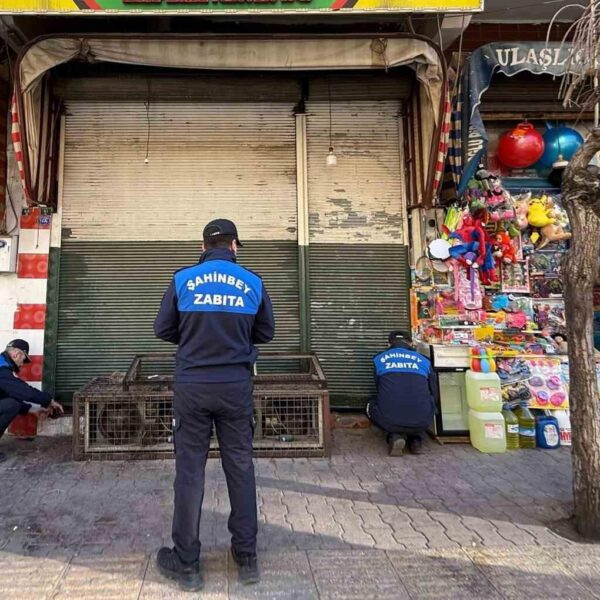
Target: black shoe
3 457
415 444
396 445
247 566
188 576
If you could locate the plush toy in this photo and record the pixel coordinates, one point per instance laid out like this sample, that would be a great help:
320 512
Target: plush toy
500 302
472 247
553 232
499 207
522 210
538 215
542 214
504 250
560 343
488 264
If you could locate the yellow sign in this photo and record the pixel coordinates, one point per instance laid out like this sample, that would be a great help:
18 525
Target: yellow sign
235 6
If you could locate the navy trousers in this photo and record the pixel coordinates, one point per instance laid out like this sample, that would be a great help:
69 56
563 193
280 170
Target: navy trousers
229 406
9 409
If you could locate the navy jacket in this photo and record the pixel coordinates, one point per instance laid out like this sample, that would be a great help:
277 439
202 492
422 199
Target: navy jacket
215 311
13 387
406 390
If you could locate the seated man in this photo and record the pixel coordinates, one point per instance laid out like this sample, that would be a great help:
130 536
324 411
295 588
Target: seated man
16 396
406 391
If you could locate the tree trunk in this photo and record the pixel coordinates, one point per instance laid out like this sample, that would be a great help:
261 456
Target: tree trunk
581 198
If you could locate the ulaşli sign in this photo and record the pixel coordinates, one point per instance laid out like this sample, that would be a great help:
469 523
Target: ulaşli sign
237 6
544 58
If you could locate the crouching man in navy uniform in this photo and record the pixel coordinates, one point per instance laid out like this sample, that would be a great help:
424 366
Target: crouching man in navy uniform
406 391
16 396
215 311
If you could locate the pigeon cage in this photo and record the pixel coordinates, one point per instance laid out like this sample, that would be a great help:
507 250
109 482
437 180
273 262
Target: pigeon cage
130 415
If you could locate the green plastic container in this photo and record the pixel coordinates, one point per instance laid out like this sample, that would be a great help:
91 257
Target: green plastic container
487 431
512 429
526 427
484 393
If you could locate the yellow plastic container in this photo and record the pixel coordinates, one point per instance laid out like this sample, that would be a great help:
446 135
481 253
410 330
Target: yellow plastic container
484 393
488 431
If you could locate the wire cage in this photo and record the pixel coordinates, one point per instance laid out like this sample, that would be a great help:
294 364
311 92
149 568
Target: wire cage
130 415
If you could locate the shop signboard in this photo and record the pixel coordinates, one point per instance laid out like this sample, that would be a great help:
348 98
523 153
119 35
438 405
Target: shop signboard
235 6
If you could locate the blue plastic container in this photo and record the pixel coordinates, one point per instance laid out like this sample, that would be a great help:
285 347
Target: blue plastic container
547 434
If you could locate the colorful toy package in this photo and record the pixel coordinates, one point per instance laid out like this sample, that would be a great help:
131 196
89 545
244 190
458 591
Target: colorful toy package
546 384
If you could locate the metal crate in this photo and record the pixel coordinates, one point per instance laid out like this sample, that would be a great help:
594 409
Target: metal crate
129 415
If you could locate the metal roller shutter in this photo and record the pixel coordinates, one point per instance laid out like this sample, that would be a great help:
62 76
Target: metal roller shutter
128 225
234 160
110 291
358 257
358 294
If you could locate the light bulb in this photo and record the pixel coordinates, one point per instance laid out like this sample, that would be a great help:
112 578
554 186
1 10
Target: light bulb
146 161
331 158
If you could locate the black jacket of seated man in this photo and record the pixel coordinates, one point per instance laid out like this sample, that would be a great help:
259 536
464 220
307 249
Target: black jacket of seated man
17 396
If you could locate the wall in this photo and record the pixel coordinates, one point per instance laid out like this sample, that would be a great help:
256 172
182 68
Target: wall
23 294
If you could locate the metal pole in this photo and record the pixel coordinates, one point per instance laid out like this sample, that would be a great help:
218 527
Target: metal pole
303 231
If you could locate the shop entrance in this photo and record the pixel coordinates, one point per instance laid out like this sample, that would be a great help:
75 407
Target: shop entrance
148 161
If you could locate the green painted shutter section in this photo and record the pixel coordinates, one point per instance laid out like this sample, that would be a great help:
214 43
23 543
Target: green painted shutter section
109 294
358 294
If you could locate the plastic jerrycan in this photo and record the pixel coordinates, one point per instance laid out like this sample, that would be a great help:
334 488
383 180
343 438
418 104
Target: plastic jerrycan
512 428
484 393
526 427
564 426
547 434
487 431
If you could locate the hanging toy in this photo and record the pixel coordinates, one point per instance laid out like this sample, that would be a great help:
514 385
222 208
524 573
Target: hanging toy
542 215
485 363
475 360
482 360
467 291
452 221
520 147
560 143
553 232
522 210
504 250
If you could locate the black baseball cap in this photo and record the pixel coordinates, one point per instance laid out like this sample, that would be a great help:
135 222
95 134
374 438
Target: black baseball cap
221 227
399 335
20 345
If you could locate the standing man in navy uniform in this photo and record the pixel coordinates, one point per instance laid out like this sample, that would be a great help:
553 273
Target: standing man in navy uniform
406 392
215 311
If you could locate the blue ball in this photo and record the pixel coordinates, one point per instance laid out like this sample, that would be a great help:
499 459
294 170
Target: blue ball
559 140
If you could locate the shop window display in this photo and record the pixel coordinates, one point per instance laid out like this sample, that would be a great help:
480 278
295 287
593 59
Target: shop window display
495 286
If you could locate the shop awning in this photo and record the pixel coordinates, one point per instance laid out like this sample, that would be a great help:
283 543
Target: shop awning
183 52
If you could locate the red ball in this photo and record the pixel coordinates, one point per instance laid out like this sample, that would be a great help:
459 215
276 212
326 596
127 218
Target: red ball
521 147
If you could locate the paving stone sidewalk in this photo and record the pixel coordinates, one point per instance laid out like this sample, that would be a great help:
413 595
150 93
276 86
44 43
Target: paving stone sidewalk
449 523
